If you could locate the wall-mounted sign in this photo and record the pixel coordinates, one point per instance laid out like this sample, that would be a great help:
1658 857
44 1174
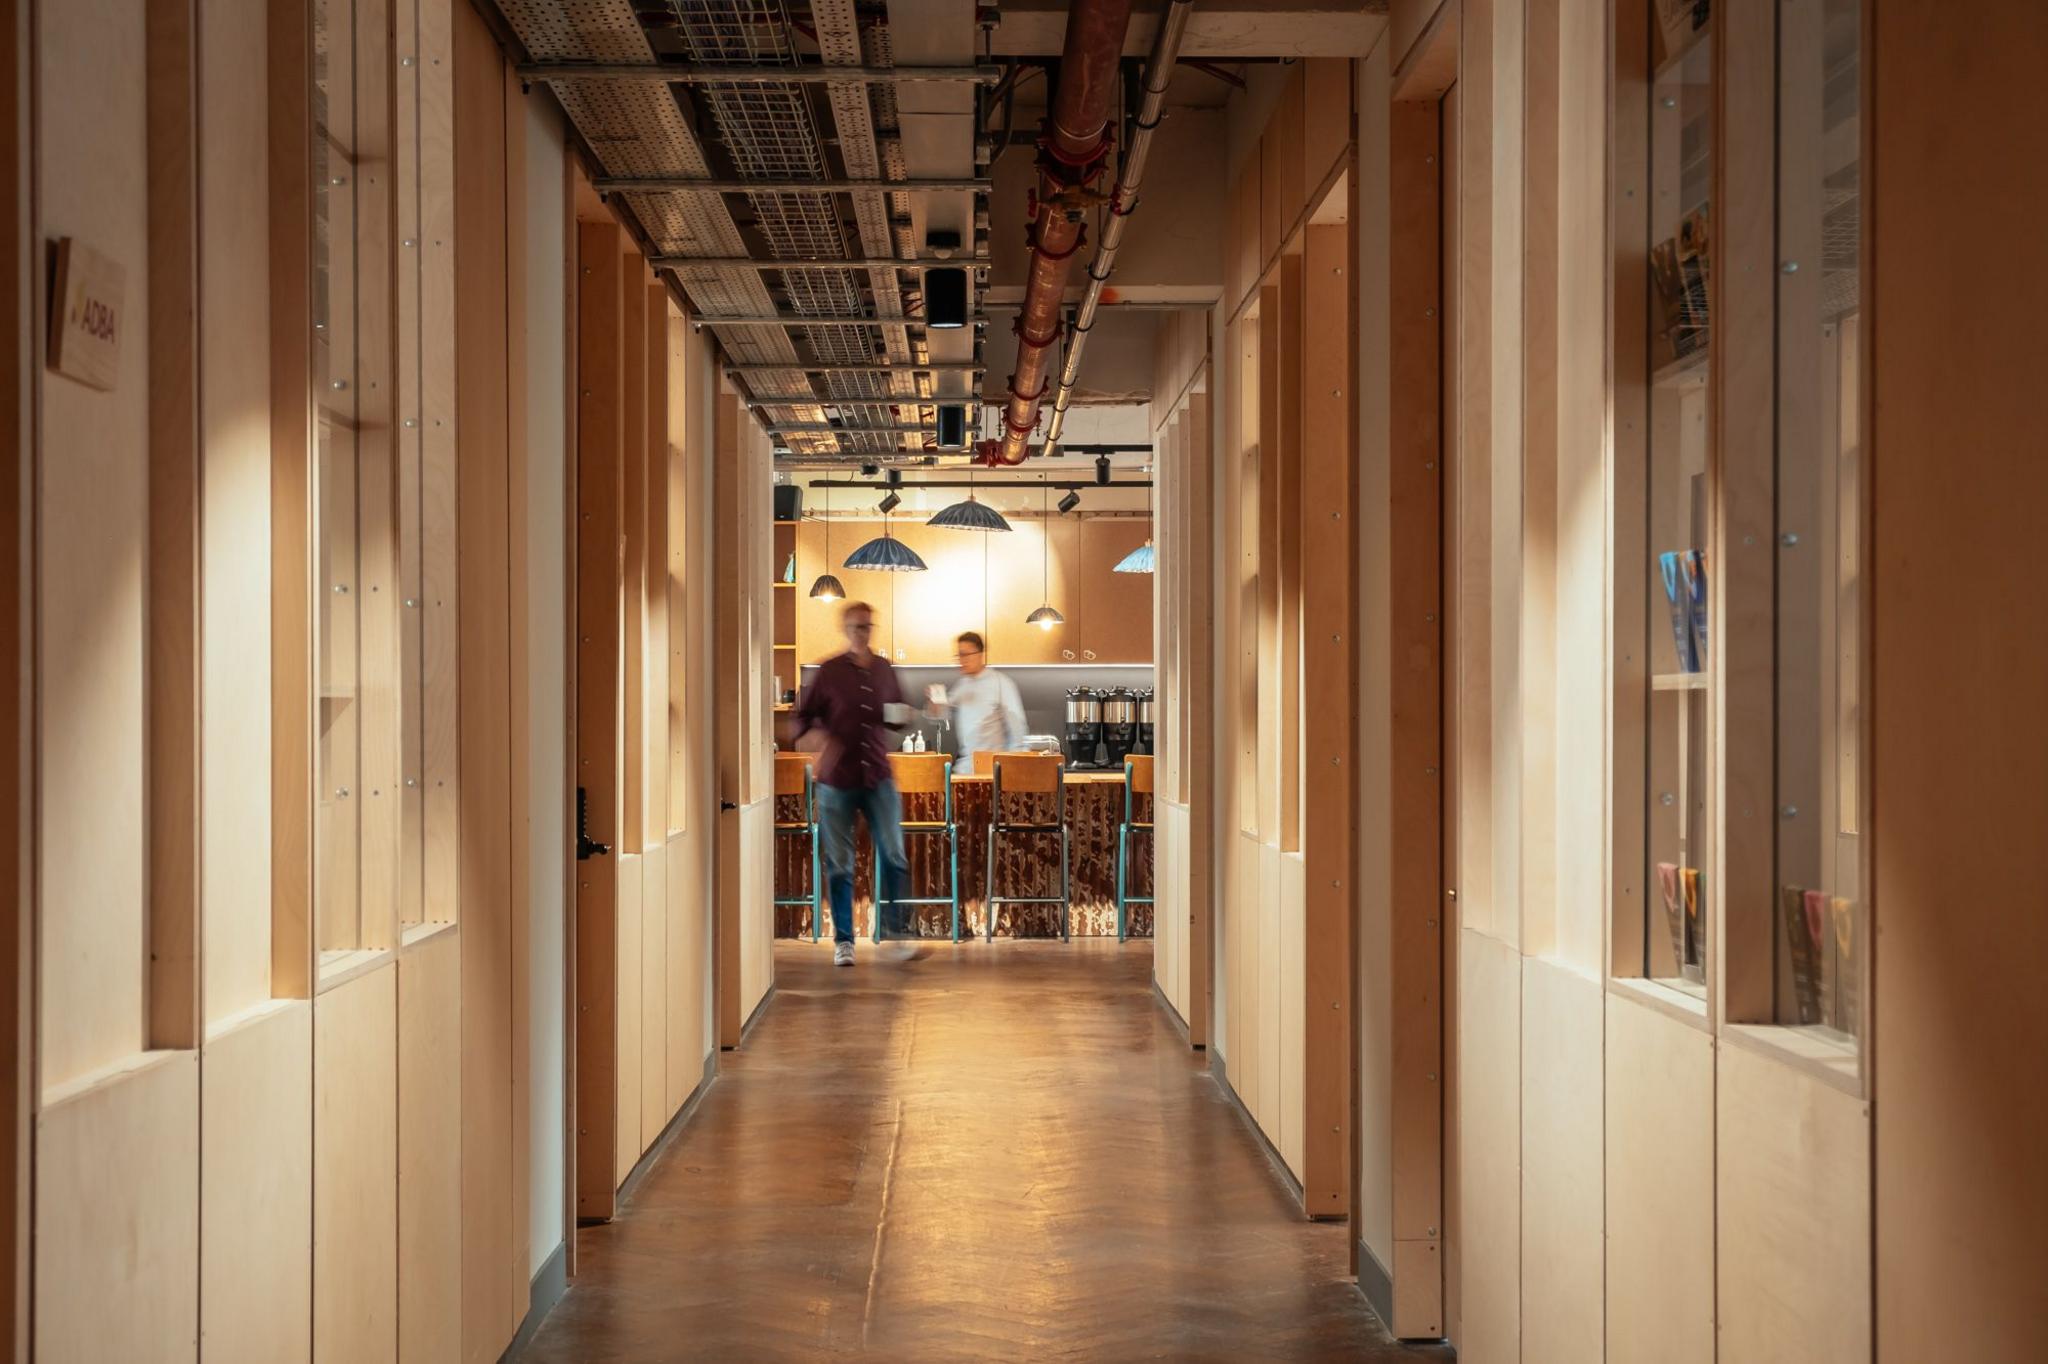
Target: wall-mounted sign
86 317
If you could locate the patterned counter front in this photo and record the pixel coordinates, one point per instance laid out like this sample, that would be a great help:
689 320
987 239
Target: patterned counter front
1027 865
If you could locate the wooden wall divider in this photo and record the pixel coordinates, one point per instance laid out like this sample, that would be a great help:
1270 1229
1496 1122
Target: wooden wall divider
291 508
487 147
19 362
171 670
1329 805
600 486
1415 643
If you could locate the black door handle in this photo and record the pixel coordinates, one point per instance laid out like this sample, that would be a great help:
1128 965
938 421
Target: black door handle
586 846
725 805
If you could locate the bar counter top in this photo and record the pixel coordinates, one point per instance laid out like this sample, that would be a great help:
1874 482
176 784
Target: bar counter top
1026 864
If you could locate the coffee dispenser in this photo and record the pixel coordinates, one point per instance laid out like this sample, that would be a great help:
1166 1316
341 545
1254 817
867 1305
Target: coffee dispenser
1084 727
1119 724
1145 722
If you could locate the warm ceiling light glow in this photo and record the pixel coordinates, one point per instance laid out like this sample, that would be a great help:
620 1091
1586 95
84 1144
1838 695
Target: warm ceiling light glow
1045 617
828 588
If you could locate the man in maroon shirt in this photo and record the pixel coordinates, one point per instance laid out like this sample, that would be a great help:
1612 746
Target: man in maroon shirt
846 715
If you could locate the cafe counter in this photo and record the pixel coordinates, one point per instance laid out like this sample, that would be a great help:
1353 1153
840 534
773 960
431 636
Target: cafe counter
1026 864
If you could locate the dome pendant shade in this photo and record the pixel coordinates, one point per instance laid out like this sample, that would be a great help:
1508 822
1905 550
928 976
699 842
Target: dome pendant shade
828 588
1140 560
1045 617
886 554
969 515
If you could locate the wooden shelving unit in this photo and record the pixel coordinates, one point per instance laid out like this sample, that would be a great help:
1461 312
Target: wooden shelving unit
782 647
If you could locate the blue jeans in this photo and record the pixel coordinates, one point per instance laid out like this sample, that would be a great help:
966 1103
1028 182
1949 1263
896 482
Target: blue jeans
837 806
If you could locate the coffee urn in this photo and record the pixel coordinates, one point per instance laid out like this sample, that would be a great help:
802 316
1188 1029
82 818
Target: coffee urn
1084 727
1119 724
1145 722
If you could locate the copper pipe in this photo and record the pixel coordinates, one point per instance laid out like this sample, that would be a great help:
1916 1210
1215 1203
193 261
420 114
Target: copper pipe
1073 152
1123 200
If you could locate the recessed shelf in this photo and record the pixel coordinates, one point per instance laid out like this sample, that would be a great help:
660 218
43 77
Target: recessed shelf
1678 682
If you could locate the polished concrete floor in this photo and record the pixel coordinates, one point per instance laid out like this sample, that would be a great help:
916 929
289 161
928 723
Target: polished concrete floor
999 1152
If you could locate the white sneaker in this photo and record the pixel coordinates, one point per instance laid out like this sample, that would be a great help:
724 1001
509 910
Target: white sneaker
842 954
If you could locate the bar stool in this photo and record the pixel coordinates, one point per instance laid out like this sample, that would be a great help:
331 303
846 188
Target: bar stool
1137 782
925 774
794 777
1037 773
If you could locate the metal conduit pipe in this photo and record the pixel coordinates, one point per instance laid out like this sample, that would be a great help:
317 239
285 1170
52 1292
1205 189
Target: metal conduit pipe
1122 201
1073 153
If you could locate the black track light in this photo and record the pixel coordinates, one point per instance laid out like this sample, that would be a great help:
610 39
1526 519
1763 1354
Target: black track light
1102 470
1070 501
889 503
945 298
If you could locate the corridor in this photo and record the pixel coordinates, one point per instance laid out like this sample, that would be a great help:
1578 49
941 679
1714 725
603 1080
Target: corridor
975 1153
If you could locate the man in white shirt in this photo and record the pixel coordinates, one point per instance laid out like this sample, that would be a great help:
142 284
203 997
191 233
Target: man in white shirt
987 711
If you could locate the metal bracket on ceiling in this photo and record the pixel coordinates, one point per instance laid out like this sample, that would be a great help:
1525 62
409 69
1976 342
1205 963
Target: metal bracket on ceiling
695 73
658 184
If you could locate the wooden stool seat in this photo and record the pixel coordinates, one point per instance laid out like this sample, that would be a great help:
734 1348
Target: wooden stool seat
925 774
1137 782
1037 773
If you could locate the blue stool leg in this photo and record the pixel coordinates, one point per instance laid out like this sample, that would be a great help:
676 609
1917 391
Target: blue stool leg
1066 885
876 935
953 861
989 888
817 885
1123 843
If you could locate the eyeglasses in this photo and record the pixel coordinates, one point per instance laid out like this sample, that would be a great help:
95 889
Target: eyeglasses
860 625
966 654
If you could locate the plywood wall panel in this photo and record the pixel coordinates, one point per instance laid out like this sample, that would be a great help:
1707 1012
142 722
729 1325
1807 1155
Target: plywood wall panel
1489 1145
1962 1196
355 1171
493 1243
256 1221
1563 1173
1660 1187
688 965
1792 1187
430 1151
654 1000
92 491
757 922
1292 1021
630 984
117 1217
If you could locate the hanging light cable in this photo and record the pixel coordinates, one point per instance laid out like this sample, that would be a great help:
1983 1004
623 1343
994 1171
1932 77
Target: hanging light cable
1144 558
827 587
1045 617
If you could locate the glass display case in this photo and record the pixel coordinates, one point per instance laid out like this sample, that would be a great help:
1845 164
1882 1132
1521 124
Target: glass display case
1820 519
1681 498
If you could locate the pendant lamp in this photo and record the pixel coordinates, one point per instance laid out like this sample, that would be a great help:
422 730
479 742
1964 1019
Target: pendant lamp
828 588
1144 558
1045 617
886 554
969 515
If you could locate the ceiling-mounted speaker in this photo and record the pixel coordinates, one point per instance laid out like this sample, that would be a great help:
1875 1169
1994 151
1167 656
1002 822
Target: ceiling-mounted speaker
952 426
945 297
